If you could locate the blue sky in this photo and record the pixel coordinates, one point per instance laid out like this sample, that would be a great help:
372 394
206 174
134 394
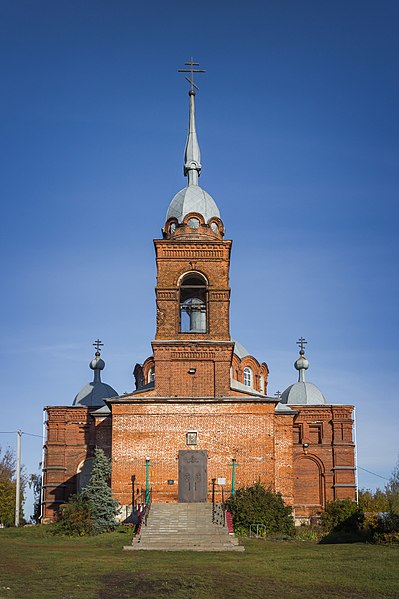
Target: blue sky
297 122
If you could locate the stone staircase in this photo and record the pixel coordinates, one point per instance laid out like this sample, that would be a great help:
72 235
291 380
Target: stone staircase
183 527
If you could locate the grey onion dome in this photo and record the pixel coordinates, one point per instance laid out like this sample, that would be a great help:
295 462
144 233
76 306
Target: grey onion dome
302 393
301 363
97 363
93 394
192 199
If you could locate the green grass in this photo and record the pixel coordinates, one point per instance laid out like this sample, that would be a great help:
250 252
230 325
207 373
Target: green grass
37 565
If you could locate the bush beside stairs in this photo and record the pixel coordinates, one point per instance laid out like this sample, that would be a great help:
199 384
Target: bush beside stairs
183 527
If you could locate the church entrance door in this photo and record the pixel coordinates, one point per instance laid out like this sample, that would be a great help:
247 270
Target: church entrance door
193 476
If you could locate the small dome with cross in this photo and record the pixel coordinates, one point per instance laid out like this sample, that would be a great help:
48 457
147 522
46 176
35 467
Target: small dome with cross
302 393
93 394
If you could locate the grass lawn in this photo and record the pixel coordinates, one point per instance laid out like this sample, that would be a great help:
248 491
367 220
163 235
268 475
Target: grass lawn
36 565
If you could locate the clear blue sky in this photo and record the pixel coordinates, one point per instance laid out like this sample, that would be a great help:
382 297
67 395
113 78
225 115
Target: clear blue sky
298 127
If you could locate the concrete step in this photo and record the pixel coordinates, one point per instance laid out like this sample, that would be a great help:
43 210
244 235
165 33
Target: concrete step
183 527
161 547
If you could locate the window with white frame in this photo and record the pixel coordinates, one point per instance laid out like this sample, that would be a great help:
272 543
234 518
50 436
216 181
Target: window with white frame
247 377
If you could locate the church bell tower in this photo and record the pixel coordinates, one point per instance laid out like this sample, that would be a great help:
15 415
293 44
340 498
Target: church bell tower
192 348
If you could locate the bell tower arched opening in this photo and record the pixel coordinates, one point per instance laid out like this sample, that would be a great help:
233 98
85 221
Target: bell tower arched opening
193 303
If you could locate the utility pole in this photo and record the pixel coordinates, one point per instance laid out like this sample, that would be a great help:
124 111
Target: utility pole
18 480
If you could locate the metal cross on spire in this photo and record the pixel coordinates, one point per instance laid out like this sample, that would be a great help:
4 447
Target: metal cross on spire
191 70
301 342
98 345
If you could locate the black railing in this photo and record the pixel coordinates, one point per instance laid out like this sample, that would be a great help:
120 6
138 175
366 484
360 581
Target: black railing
141 507
218 507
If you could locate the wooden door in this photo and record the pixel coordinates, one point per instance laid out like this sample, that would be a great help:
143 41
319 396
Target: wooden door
193 476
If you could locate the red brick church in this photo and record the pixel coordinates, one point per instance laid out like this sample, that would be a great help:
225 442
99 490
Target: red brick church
200 409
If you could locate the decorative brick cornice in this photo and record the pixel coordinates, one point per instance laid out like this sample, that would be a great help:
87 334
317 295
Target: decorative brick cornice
192 253
166 294
219 296
191 400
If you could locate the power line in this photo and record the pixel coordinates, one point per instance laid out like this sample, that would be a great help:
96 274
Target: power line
22 433
369 471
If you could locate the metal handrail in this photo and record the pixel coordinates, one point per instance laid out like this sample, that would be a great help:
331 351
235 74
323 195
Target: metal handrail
260 531
148 506
218 507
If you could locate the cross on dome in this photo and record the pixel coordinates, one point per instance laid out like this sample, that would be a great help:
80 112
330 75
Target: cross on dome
191 70
98 345
301 342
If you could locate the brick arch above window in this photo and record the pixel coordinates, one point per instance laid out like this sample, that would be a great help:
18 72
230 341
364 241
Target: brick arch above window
313 457
251 362
185 274
148 367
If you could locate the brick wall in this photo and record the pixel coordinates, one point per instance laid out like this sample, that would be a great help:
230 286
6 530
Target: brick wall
227 429
323 457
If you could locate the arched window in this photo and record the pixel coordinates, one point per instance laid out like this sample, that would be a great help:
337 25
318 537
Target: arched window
83 473
262 383
247 376
151 374
193 304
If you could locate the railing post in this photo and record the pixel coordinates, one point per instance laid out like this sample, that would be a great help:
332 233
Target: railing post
233 476
133 496
147 480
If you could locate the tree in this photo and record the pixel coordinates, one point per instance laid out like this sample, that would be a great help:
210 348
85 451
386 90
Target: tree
98 494
35 483
257 505
386 500
373 501
8 487
392 491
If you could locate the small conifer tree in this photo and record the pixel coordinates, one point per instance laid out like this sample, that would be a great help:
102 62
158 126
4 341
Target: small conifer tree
99 495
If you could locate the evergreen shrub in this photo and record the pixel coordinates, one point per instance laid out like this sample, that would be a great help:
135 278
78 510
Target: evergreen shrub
74 518
92 511
256 504
342 515
98 494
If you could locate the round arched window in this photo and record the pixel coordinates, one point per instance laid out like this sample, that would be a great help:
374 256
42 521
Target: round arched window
247 377
193 304
83 473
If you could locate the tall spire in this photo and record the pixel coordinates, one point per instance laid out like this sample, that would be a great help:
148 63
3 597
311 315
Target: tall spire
192 198
192 154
